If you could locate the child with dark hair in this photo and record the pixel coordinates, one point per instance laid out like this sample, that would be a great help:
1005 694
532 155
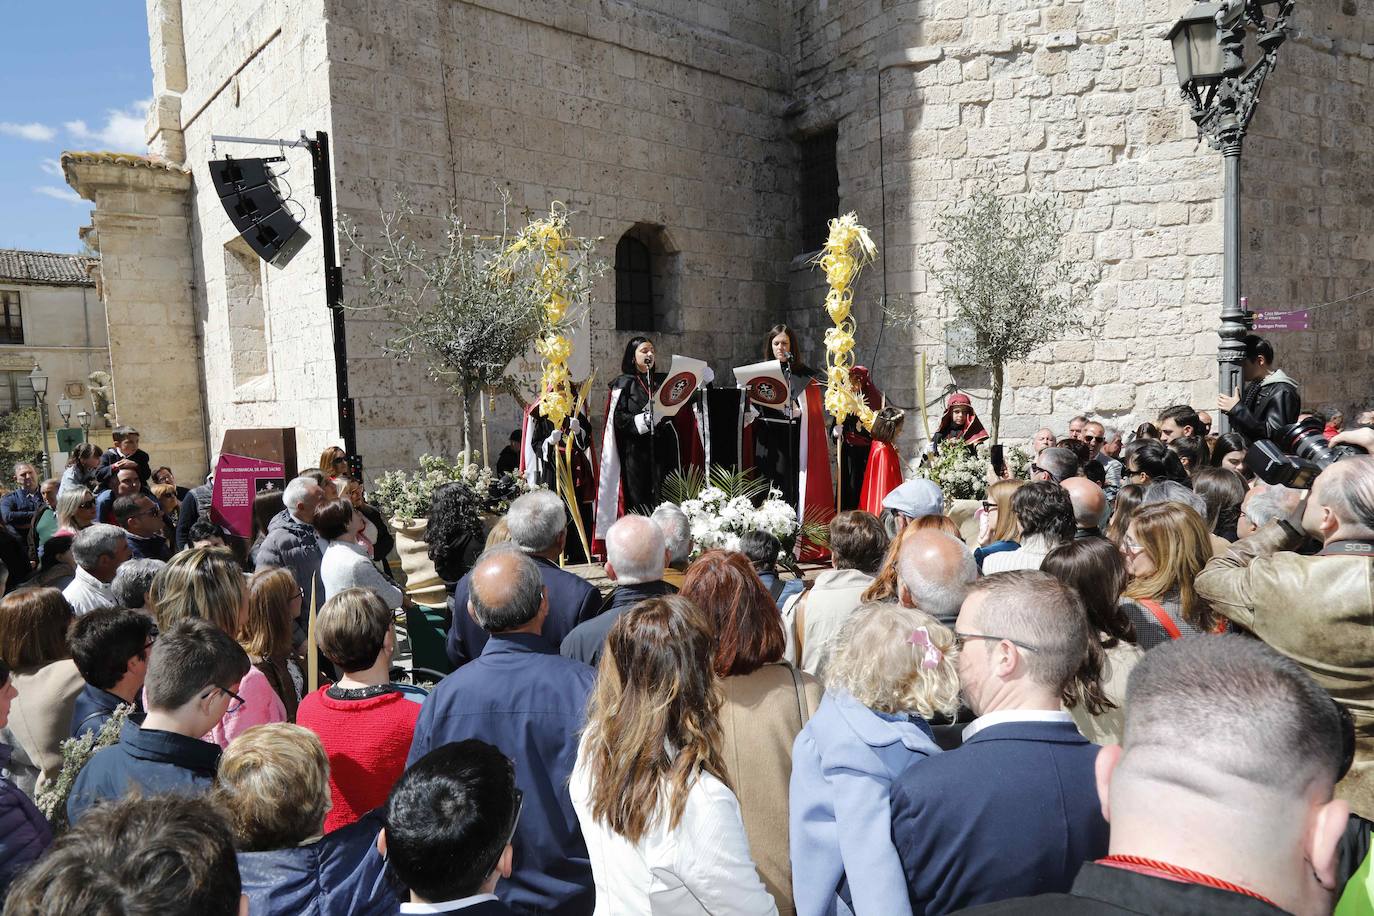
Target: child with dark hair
110 647
458 805
193 681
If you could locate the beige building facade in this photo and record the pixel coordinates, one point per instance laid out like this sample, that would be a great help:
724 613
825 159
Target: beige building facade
52 317
716 136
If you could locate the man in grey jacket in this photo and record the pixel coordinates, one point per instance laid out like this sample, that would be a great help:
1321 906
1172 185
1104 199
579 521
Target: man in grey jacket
292 543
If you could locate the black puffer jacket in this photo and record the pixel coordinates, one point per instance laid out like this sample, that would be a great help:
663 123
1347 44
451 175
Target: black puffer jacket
24 832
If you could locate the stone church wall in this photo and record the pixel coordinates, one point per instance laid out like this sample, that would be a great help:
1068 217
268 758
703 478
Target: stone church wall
663 115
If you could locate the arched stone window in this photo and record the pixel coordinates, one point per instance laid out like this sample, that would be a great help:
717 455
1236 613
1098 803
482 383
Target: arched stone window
634 285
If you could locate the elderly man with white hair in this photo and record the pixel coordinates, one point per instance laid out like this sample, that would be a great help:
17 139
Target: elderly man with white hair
635 560
677 538
293 544
1171 491
538 526
99 551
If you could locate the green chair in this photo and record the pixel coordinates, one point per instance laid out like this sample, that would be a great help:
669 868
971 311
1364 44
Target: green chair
425 627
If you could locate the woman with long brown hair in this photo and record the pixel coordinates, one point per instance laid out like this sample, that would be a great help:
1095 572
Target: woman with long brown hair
789 435
999 528
765 703
33 644
274 603
650 787
1094 567
1165 547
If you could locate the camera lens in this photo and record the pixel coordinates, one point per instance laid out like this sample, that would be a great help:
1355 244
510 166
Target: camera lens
1305 440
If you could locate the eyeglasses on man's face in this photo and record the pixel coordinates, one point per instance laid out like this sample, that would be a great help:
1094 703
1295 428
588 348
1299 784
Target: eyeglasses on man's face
235 701
961 638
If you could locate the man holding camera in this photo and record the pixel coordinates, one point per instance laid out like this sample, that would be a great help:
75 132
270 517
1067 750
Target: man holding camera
1316 609
1269 400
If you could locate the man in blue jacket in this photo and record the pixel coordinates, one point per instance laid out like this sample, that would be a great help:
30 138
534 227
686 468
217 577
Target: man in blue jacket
1014 811
538 526
110 646
529 702
18 506
193 679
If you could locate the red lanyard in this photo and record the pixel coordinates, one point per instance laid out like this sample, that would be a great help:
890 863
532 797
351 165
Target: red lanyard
1159 869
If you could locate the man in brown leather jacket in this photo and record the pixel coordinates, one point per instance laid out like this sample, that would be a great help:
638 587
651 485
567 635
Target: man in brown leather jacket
1317 610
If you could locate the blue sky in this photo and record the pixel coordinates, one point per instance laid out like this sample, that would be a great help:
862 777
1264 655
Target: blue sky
74 76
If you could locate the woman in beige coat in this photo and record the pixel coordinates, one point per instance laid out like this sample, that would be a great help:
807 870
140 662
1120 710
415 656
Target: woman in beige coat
33 642
767 701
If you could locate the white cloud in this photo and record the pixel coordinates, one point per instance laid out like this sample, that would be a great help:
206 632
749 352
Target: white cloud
51 166
123 130
40 133
66 195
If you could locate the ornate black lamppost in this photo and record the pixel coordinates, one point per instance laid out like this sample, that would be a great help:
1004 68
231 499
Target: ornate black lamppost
1222 92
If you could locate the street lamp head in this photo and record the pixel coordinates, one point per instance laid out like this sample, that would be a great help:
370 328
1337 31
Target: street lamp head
84 419
64 409
38 381
1197 51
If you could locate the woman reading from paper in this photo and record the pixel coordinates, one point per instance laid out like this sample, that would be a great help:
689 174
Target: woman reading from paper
790 444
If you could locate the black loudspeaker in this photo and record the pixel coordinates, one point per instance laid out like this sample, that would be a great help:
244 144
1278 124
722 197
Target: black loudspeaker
250 197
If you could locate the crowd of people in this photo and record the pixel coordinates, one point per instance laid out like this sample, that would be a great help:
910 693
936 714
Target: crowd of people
1136 681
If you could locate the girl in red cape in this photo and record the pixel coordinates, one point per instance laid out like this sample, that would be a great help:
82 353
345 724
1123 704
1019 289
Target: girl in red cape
959 422
884 472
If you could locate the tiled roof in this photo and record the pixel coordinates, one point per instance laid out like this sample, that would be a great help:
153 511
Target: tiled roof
45 267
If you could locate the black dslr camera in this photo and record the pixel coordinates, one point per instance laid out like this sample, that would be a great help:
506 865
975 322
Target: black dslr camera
1304 453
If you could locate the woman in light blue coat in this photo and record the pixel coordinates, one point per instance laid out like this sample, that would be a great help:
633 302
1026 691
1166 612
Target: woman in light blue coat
891 669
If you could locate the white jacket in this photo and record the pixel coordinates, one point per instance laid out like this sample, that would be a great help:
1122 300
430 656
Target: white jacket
702 866
345 565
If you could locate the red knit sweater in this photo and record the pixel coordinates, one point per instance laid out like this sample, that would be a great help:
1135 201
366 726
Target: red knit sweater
367 742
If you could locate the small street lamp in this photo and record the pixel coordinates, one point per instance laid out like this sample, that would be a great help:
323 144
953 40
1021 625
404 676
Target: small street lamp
39 383
1209 54
64 408
85 420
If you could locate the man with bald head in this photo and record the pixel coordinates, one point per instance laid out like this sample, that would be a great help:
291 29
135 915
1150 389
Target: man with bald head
538 527
1315 609
1014 809
934 572
636 557
1089 507
523 697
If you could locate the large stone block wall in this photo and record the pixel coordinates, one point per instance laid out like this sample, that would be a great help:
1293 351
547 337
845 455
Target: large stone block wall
1308 186
1064 98
656 113
259 69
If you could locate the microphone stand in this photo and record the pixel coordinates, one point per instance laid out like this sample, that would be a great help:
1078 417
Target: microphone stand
654 482
793 435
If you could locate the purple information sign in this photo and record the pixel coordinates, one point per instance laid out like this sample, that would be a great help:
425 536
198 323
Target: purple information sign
238 481
1282 321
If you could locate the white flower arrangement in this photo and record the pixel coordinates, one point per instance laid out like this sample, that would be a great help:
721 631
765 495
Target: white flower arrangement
962 472
718 520
406 497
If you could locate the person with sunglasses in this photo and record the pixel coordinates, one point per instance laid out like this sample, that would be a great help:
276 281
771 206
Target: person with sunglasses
192 683
457 804
1014 810
1095 438
141 519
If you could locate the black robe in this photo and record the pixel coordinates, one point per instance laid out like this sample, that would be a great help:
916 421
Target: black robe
777 439
645 458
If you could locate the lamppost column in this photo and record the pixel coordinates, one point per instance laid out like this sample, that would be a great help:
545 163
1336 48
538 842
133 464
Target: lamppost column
1234 321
